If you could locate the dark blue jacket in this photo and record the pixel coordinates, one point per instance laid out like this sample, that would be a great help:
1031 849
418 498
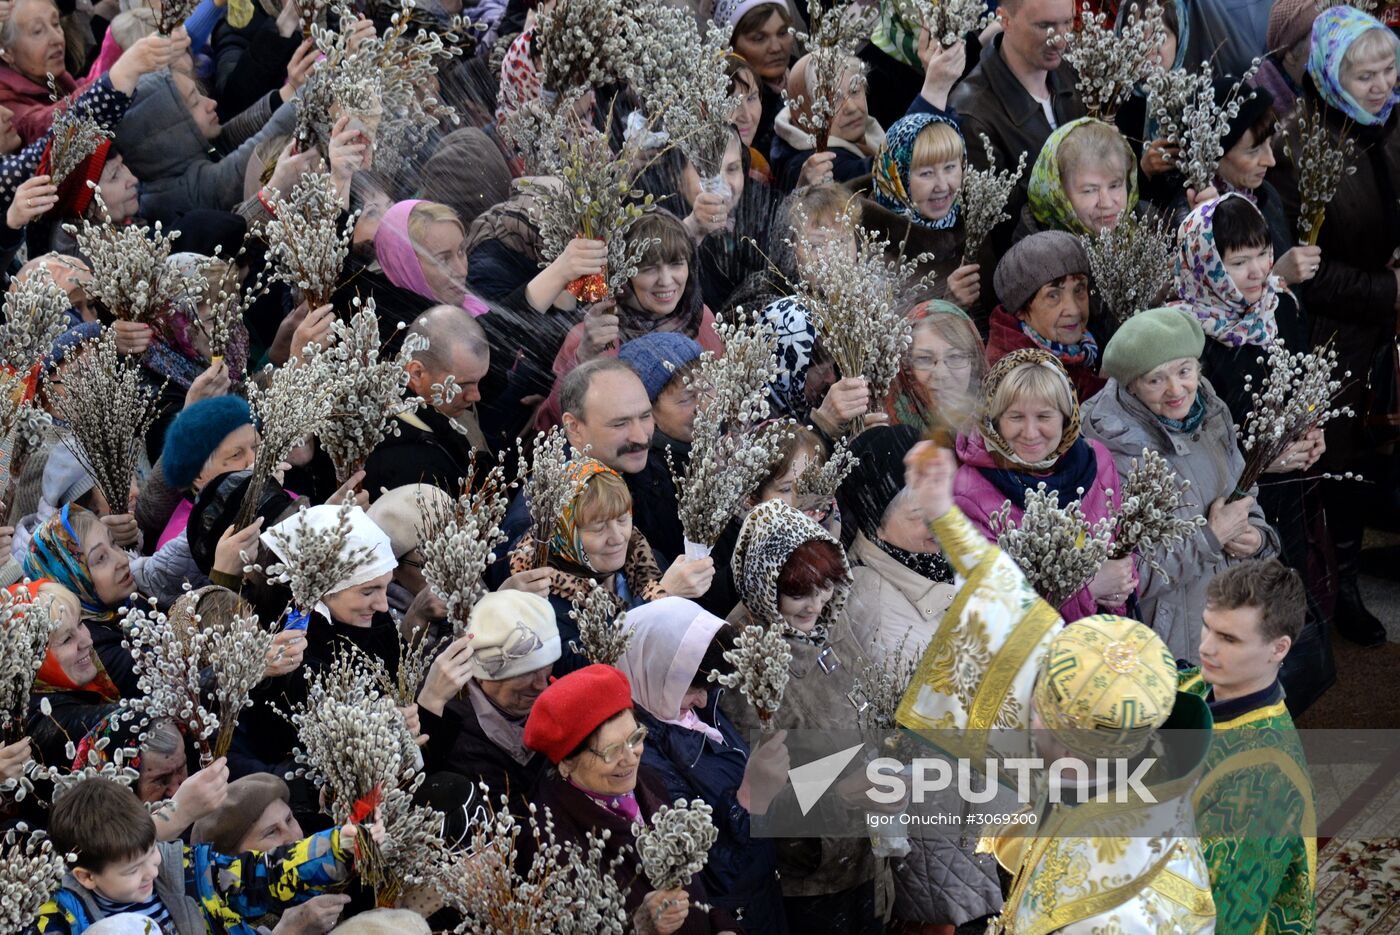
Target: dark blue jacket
742 871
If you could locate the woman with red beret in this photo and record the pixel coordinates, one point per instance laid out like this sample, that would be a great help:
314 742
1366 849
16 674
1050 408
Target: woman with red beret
584 724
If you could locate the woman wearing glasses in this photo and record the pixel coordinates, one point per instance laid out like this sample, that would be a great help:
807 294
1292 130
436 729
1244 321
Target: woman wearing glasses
584 724
791 574
940 378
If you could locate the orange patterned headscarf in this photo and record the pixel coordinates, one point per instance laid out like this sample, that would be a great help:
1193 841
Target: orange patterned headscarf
51 678
567 543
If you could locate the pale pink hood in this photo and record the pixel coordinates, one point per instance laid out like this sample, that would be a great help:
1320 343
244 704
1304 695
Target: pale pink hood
667 646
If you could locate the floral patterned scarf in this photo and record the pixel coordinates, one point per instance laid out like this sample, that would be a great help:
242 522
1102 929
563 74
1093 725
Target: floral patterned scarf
1333 32
55 552
567 543
1049 203
1207 291
894 162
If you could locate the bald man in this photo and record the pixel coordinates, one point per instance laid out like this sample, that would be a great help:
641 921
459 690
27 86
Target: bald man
434 444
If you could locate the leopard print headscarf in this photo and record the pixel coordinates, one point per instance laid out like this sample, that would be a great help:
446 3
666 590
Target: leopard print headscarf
1002 369
770 534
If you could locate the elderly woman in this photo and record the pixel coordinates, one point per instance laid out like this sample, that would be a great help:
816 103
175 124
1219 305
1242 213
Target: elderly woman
697 753
1083 180
78 691
760 32
476 726
917 177
1156 398
1028 435
663 296
585 725
1043 285
74 548
32 49
1223 278
1355 295
791 574
595 545
903 582
162 760
941 376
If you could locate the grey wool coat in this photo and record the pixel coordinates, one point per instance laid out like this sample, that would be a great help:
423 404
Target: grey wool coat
1173 598
178 168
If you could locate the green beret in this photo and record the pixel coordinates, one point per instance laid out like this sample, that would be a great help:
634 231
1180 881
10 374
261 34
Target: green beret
1150 339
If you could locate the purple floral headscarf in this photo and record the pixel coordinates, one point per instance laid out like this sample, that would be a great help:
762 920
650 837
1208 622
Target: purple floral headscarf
1207 291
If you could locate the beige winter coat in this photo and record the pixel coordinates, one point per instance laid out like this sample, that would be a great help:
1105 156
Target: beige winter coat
891 600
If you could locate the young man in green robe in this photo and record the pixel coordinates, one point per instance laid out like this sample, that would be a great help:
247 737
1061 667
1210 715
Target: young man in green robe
1254 806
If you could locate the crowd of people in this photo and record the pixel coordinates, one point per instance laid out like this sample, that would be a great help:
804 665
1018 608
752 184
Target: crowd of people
1016 380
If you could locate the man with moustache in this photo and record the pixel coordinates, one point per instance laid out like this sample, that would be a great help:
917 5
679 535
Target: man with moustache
608 413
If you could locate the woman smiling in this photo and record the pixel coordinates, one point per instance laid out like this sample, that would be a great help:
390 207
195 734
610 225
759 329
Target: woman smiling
1028 436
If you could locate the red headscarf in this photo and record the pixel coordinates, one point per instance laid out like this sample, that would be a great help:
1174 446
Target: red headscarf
51 678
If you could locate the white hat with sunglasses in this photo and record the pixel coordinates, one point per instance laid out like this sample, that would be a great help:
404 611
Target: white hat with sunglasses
514 633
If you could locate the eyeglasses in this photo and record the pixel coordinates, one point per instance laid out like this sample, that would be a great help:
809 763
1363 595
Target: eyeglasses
954 360
609 754
521 643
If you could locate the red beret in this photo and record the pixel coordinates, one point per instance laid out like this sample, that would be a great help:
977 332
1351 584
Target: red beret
573 707
74 195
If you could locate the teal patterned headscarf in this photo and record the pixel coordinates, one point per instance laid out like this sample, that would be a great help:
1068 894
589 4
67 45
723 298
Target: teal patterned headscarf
1049 202
894 161
55 552
1333 32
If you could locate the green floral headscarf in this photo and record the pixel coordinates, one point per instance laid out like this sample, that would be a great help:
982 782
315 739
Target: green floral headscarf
1050 205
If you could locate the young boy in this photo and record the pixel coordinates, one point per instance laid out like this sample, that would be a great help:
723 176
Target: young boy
1254 806
121 867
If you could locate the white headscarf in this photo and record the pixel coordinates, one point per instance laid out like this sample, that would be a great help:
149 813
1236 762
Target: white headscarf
363 534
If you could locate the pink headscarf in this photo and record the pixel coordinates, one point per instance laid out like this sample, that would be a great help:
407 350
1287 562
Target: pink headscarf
393 247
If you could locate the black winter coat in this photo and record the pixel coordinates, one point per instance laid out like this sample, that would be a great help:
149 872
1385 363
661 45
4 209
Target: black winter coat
457 743
430 452
1352 298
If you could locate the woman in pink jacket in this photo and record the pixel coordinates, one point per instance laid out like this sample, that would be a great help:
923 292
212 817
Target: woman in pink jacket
1028 434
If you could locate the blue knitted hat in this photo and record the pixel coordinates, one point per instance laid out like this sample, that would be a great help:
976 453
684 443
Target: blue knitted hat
69 342
651 354
196 432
